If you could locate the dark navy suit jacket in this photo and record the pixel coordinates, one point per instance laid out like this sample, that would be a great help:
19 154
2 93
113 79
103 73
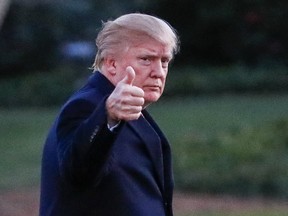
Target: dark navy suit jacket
89 170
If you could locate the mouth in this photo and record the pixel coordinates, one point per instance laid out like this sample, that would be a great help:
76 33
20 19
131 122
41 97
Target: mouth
153 87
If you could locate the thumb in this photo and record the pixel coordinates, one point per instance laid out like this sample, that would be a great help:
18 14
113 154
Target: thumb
130 76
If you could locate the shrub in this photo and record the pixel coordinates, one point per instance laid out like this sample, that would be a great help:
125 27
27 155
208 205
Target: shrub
245 161
40 89
230 79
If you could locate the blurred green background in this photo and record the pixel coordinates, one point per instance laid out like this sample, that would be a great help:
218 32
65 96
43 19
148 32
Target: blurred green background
225 108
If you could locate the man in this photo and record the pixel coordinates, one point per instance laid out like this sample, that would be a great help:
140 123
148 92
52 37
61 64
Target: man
104 155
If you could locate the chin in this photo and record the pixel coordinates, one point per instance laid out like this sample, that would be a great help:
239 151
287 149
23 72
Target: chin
152 98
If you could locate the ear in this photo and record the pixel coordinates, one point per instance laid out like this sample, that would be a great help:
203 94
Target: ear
109 64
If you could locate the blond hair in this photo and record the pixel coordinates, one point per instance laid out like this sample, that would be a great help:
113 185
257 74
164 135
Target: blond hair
129 29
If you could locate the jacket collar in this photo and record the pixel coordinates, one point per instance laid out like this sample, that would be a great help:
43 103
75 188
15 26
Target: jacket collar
166 159
99 81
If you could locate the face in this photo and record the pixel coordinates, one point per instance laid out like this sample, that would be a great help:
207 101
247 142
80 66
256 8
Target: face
150 61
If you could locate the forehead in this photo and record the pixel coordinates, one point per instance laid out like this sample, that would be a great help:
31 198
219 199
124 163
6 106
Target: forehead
151 47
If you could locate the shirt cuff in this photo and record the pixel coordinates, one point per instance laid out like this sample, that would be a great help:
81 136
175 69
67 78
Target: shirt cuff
112 128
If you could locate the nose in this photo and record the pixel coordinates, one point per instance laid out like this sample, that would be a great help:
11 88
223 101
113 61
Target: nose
158 71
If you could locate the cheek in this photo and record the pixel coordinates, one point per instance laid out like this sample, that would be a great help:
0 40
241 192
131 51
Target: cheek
139 80
163 83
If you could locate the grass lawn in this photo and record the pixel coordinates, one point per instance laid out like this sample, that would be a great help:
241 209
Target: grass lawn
209 115
23 131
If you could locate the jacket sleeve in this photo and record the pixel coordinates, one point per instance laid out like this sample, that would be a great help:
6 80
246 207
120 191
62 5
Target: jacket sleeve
84 141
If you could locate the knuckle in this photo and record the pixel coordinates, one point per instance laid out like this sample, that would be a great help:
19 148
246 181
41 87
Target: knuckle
142 101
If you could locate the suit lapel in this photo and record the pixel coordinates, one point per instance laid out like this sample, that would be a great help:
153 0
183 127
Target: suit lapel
153 143
166 151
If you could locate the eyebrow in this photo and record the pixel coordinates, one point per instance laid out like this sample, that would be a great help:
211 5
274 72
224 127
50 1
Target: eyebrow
151 53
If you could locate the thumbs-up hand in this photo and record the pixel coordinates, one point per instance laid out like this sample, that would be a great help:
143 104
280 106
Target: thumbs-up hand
130 76
126 101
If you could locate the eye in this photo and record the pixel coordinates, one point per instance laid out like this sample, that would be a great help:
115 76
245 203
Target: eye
165 62
145 60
